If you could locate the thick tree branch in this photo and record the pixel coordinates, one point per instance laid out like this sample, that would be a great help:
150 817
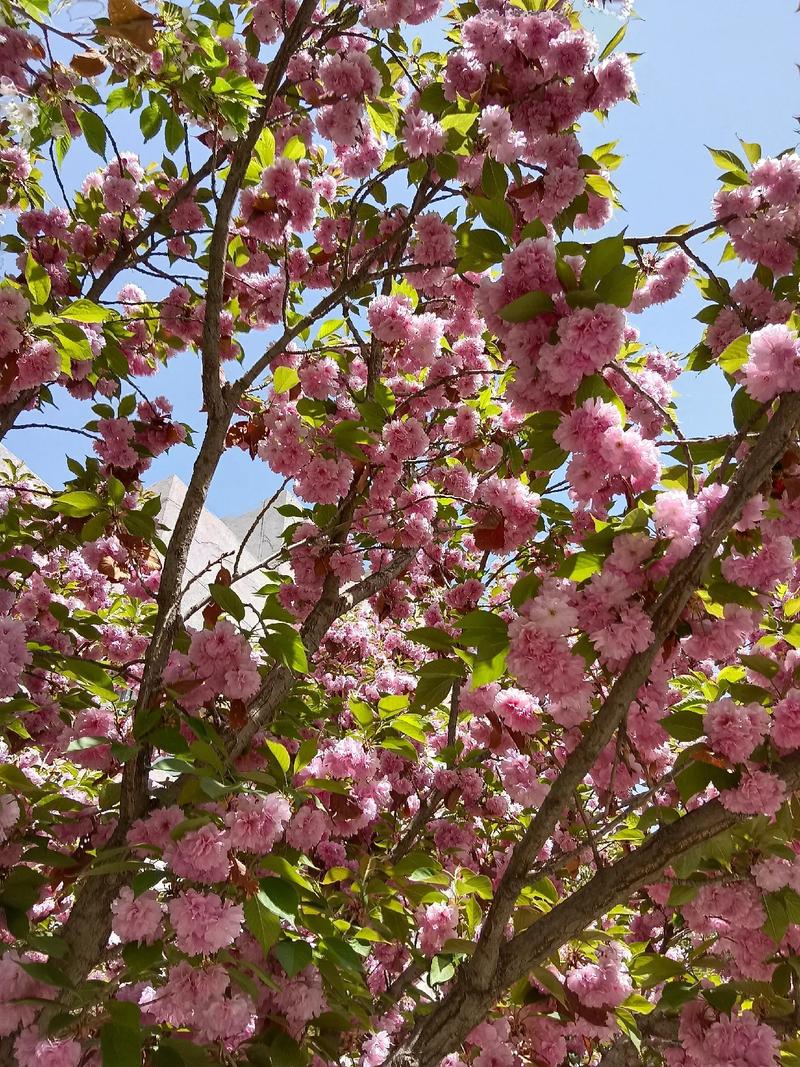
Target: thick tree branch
218 248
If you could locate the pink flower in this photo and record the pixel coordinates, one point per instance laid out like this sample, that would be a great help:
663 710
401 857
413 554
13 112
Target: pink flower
405 439
201 855
604 984
37 365
375 1049
9 814
774 363
324 481
14 654
438 923
786 722
31 1051
521 781
136 918
256 823
518 711
435 241
390 318
115 446
423 134
734 730
758 793
307 828
203 922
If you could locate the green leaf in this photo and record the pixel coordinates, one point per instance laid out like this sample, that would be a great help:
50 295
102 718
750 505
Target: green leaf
684 725
651 970
77 504
228 600
525 589
746 412
349 435
479 249
284 379
495 213
93 130
442 970
752 150
462 121
20 888
360 711
603 257
265 148
86 311
286 645
612 44
48 973
411 726
262 923
383 119
730 593
761 664
693 779
432 98
526 307
342 953
435 681
601 186
280 754
494 180
121 1046
279 897
735 355
293 956
150 120
38 281
173 133
431 637
295 149
726 160
617 286
390 704
580 566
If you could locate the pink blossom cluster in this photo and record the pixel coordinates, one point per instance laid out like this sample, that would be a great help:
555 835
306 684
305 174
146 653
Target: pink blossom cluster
606 457
734 730
203 922
773 366
749 300
711 1040
200 999
540 655
220 662
587 338
281 205
14 654
760 218
664 285
437 923
758 793
605 984
513 508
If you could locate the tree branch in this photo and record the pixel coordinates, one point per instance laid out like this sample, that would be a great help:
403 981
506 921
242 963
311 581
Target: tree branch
329 607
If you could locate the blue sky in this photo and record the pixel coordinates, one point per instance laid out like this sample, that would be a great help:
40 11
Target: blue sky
710 70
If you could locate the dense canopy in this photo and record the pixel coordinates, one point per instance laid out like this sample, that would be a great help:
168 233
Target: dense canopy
500 768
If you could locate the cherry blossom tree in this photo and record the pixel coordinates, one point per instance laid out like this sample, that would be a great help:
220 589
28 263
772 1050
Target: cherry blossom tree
499 768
